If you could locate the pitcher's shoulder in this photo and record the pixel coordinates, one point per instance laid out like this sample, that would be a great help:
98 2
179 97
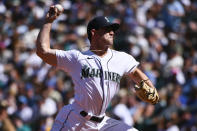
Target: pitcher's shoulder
119 53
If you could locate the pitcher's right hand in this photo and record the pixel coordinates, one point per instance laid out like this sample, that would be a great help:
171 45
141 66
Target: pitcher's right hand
52 14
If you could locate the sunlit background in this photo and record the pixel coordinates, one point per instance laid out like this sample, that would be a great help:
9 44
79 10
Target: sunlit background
160 34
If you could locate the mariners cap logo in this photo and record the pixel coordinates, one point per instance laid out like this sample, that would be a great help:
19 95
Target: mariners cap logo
107 19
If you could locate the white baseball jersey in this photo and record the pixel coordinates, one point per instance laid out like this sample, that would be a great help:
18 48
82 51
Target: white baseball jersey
96 79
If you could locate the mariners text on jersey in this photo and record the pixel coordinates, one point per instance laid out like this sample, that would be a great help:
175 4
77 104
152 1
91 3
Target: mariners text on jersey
92 72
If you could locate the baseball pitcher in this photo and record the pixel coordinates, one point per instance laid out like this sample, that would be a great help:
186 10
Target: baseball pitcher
96 74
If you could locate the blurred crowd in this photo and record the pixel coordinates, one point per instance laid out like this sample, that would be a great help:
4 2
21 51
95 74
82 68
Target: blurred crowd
160 34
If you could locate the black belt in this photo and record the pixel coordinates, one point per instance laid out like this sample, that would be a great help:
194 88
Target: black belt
93 118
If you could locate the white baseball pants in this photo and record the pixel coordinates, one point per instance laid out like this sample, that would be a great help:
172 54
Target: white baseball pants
69 119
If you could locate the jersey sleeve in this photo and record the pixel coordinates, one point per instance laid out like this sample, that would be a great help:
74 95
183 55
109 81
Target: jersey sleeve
130 63
66 60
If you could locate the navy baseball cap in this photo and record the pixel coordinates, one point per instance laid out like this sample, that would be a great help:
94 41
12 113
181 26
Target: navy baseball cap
100 22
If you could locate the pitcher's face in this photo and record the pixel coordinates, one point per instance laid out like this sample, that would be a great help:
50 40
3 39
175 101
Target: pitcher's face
104 36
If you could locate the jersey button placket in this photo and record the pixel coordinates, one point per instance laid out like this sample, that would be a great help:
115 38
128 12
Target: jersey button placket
101 81
103 85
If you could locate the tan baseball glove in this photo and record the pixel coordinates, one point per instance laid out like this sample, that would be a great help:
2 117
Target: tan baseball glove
147 93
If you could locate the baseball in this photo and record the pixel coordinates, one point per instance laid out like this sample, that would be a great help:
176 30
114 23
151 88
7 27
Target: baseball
59 7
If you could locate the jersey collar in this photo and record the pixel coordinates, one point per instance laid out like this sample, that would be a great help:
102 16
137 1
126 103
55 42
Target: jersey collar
106 57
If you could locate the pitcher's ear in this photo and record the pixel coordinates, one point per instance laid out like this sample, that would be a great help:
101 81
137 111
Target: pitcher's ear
93 32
